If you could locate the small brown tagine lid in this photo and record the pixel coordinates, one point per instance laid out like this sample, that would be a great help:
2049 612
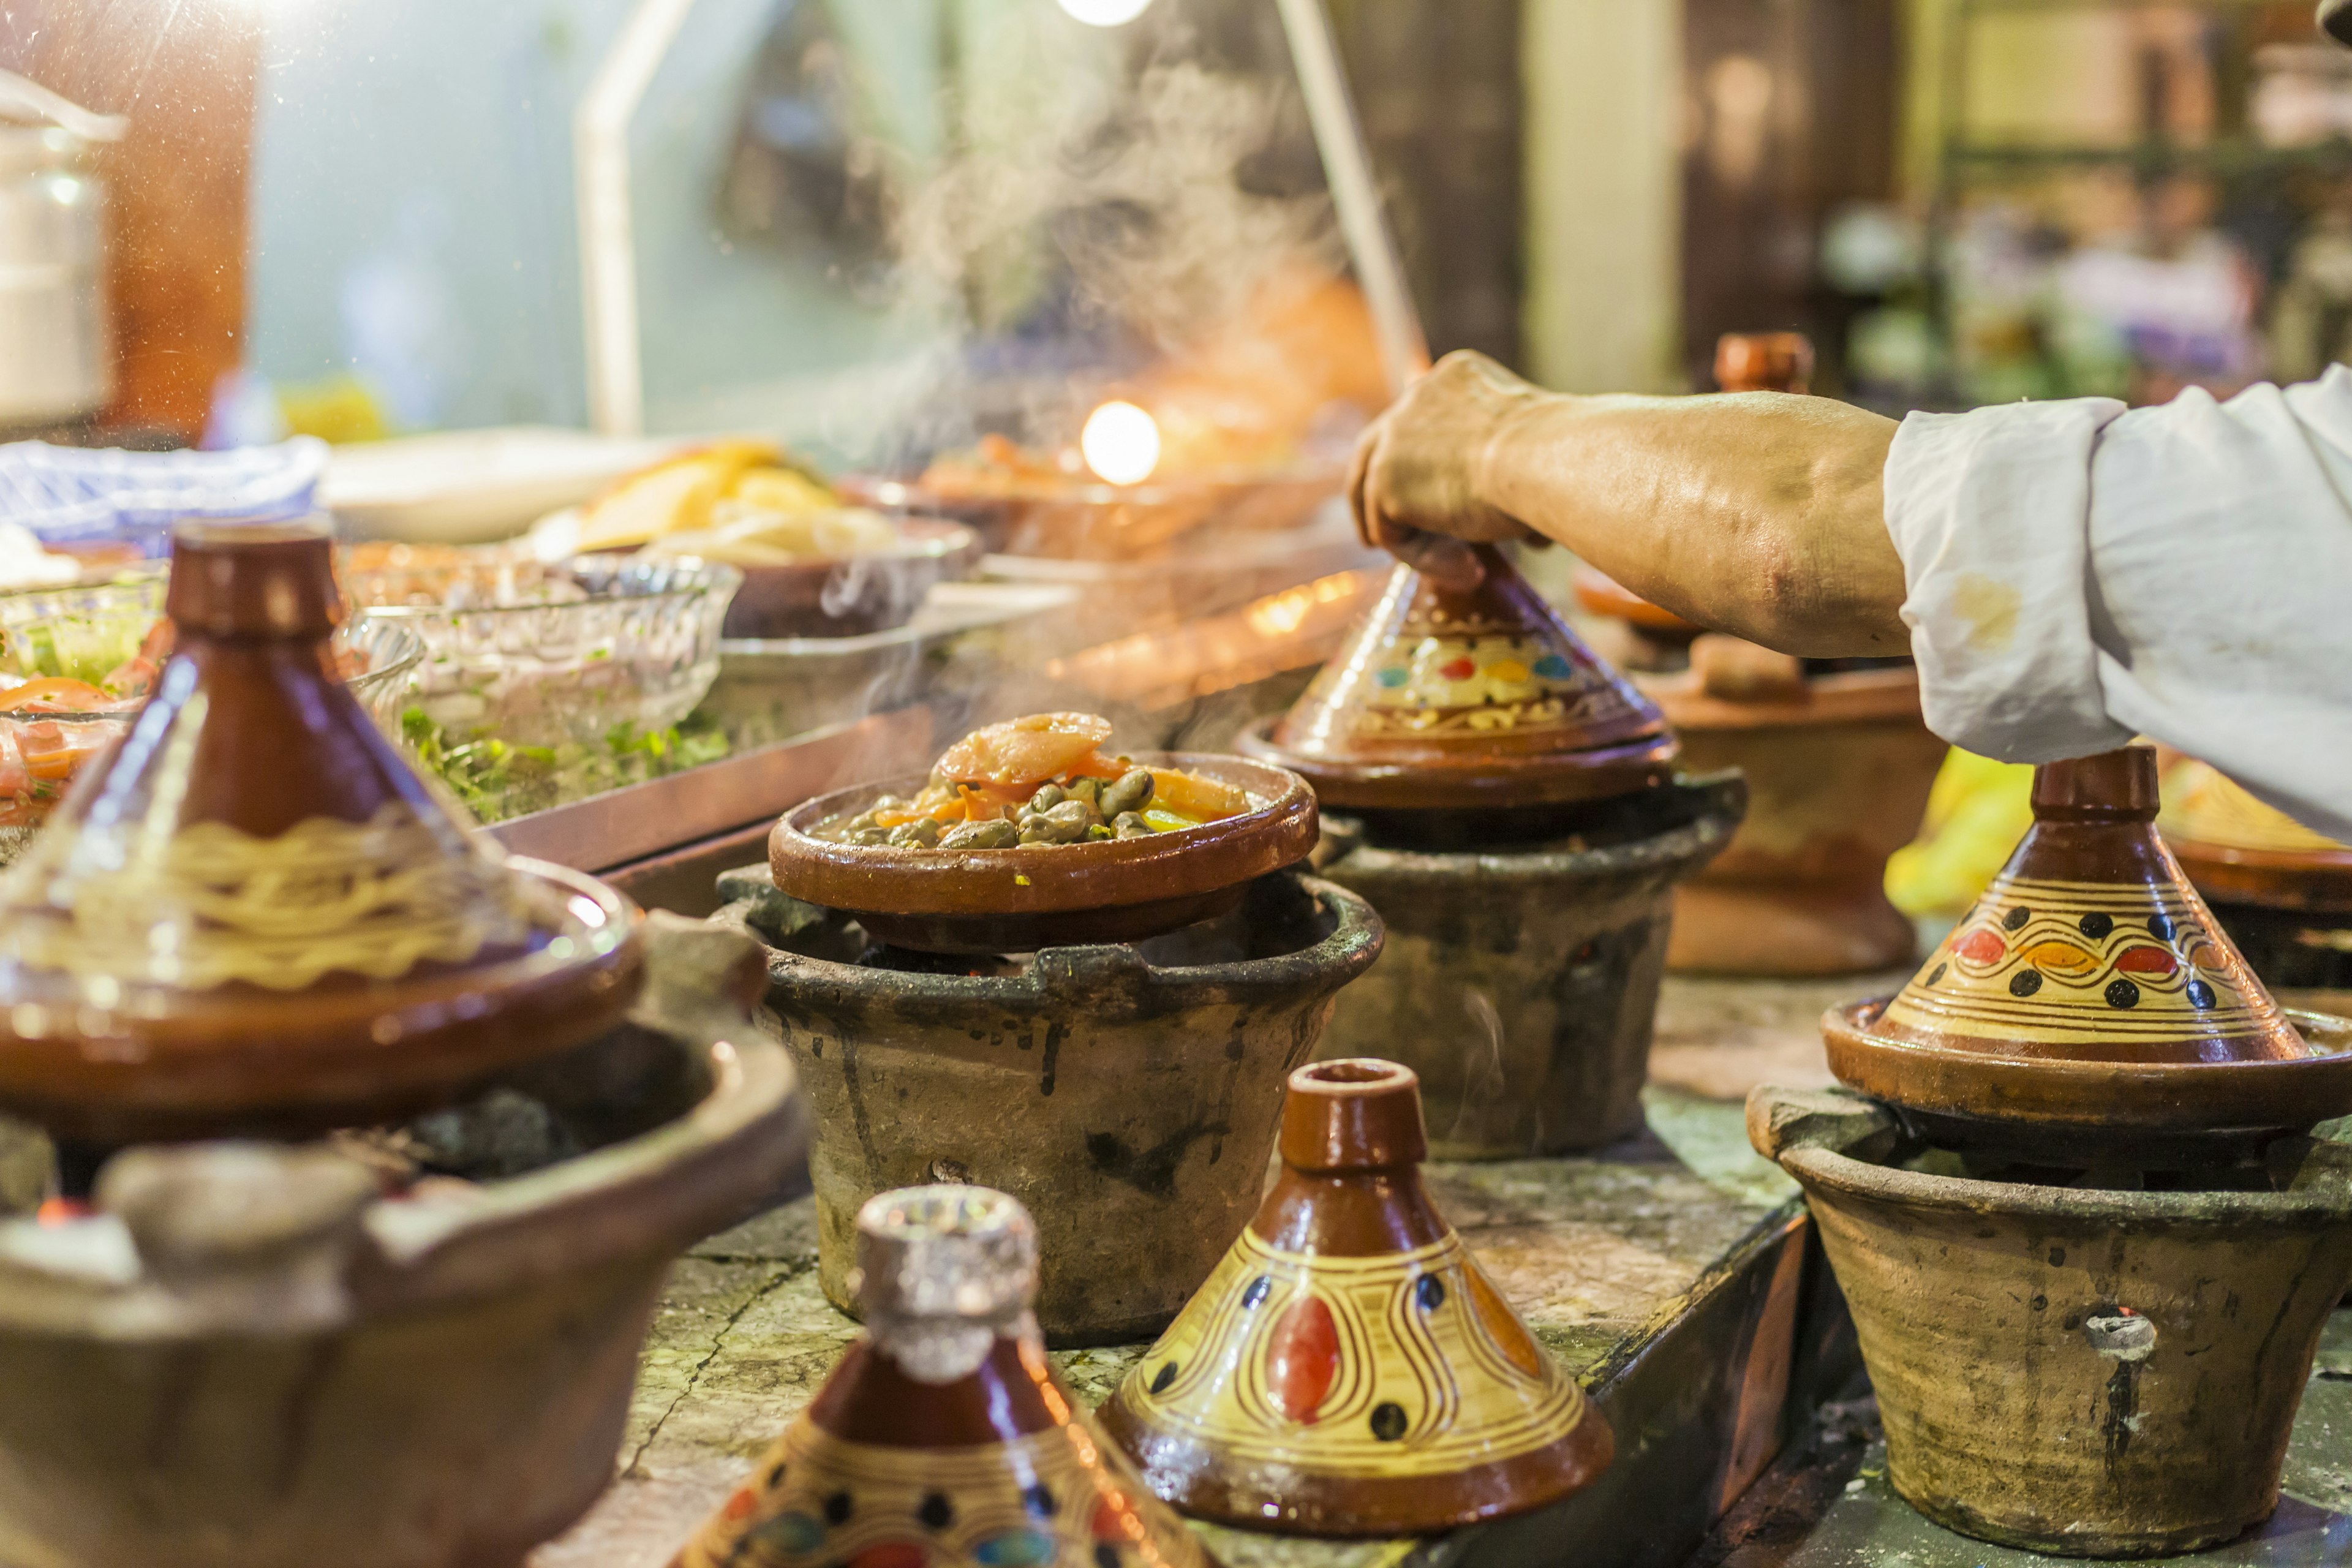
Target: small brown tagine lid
2239 851
1349 1368
253 915
944 1437
1451 700
2091 986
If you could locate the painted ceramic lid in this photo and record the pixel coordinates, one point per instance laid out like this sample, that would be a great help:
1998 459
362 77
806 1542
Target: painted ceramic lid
1348 1368
253 915
2239 851
1444 699
944 1436
2089 977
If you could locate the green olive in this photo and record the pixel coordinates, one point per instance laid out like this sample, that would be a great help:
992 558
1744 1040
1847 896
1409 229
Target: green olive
1130 791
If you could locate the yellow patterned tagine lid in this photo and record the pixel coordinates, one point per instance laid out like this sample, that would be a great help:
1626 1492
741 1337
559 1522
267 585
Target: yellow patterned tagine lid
254 916
2241 852
1448 699
2091 985
944 1439
1349 1368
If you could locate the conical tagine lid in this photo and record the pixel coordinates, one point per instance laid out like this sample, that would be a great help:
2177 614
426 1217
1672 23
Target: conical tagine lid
2239 851
254 916
1451 700
2091 945
943 1438
1349 1368
2092 986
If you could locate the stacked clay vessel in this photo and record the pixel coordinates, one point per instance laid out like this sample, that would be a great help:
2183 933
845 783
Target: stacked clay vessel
1349 1369
254 916
1509 801
944 1436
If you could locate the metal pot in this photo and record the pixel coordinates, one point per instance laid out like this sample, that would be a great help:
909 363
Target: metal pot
56 352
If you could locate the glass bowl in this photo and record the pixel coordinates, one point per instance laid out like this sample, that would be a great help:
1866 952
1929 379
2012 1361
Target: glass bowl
605 646
85 633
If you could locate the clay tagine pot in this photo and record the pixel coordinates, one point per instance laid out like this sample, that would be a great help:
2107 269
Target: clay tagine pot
252 916
2090 991
2283 892
944 1433
1467 700
1349 1369
1018 900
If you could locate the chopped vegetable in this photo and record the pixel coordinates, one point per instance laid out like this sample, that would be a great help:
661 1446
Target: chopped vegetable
1041 780
498 780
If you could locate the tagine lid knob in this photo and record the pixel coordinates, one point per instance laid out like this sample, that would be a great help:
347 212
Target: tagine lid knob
943 1271
1356 1114
1450 696
254 916
2090 946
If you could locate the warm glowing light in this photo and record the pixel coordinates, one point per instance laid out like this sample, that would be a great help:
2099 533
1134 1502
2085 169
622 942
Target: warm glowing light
1106 12
1121 443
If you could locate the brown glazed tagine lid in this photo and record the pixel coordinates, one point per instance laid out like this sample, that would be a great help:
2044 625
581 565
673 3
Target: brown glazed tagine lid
254 916
1449 700
944 1437
2091 988
1349 1368
2239 851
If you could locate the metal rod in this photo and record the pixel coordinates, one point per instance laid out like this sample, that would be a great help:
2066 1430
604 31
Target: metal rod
1404 347
608 253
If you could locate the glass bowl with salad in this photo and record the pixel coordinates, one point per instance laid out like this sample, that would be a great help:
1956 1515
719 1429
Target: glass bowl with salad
76 664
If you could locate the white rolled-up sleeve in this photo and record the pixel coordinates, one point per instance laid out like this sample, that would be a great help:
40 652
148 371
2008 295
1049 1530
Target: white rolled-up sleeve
2078 574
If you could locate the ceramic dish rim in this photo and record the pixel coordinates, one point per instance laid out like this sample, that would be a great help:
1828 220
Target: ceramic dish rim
2107 1098
892 879
1557 778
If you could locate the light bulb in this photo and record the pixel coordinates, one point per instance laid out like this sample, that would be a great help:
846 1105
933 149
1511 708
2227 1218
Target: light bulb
1121 443
1106 12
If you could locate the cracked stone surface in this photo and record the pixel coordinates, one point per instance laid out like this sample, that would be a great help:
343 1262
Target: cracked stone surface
1591 1251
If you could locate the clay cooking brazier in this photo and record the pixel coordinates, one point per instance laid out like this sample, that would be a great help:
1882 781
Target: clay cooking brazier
252 916
2066 1368
944 1434
1126 1094
1349 1369
1505 800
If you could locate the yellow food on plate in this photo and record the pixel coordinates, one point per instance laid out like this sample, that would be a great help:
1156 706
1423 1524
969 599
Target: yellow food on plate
743 502
1041 779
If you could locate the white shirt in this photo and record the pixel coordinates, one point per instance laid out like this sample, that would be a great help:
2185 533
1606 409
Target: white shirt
2080 573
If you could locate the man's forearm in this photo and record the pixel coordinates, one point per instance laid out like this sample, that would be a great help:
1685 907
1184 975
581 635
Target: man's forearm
1759 514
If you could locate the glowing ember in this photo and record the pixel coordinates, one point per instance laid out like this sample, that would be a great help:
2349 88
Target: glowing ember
1121 443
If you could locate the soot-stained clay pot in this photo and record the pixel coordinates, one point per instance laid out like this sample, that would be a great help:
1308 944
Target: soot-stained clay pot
2070 1370
2091 995
1349 1369
248 1356
944 1437
2283 892
1520 982
253 915
1467 701
1127 1095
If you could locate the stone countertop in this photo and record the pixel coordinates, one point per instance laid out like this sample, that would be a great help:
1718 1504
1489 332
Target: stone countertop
1592 1250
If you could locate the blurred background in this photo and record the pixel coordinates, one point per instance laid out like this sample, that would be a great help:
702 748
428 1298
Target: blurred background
361 220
